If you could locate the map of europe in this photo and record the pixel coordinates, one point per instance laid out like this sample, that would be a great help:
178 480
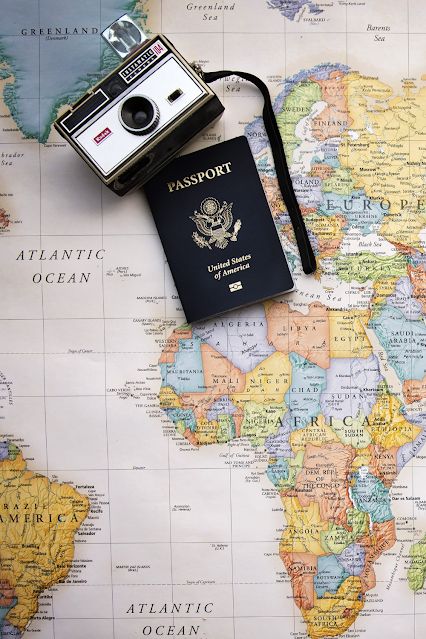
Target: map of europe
329 382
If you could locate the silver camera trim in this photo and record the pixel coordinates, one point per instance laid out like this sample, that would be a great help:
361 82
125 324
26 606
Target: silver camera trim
152 124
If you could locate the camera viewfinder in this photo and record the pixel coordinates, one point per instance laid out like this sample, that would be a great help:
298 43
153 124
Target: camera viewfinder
174 96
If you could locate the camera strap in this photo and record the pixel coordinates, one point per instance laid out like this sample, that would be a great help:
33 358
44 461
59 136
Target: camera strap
283 175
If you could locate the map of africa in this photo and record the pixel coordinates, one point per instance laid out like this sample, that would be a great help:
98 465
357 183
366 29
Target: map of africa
257 474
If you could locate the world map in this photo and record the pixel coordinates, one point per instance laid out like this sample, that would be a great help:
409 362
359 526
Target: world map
325 387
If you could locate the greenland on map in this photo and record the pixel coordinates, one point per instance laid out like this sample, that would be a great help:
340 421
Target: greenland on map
259 474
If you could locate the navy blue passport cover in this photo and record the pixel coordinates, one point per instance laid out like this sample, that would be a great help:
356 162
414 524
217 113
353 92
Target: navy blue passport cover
217 230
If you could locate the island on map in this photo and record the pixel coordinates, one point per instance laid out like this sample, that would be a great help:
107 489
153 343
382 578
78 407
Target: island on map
290 9
417 570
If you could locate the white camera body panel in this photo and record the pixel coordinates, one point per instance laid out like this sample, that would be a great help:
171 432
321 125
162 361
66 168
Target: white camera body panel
109 151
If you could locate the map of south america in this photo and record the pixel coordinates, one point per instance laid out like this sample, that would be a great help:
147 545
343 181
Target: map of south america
38 522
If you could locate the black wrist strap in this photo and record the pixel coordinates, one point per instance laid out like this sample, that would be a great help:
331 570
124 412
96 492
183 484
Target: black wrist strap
283 176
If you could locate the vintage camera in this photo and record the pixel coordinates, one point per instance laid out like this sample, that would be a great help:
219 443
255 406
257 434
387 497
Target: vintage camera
135 120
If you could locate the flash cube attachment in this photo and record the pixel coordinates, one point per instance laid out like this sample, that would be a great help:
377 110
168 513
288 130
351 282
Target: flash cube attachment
124 36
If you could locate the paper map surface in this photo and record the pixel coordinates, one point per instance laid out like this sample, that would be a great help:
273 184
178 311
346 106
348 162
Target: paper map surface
261 474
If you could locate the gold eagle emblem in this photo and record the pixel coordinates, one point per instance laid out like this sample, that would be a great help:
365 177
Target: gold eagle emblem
214 222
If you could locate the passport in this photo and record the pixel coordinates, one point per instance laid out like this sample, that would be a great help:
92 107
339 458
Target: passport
217 230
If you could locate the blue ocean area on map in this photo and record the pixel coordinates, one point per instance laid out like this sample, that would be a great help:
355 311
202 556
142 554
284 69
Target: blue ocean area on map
50 70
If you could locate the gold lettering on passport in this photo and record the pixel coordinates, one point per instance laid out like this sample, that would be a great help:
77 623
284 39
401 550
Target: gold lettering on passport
230 266
197 178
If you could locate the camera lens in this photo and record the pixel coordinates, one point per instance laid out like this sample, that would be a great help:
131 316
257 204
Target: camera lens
139 115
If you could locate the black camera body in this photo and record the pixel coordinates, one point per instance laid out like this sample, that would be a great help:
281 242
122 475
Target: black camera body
135 120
